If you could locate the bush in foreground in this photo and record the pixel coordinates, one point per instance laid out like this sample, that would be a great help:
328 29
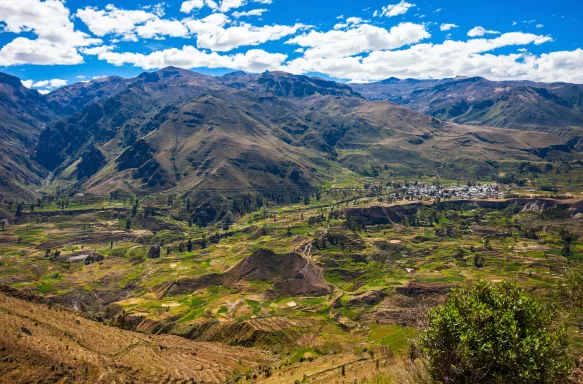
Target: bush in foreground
495 334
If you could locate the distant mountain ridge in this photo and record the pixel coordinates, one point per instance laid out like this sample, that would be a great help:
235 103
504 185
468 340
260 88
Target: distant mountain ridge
179 130
547 107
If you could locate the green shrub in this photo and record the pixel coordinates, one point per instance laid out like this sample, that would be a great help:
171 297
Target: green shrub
495 334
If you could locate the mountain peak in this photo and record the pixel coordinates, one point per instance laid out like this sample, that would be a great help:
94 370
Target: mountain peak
471 79
287 84
390 80
235 73
13 81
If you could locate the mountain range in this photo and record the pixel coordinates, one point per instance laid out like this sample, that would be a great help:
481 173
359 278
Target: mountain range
525 105
179 130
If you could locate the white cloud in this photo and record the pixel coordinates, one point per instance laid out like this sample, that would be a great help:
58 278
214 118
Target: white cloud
392 10
43 91
448 59
364 38
40 51
253 12
131 24
158 9
539 25
447 27
97 50
211 32
54 83
217 5
212 35
158 28
189 5
481 31
57 40
253 60
218 19
112 20
351 21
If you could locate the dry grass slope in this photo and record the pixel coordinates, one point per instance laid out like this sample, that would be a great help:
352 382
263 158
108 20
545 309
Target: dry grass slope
46 345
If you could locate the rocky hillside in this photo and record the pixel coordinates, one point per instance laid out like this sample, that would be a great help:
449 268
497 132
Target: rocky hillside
556 107
182 131
23 115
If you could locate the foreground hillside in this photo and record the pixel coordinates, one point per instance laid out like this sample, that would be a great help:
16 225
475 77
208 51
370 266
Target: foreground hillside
47 344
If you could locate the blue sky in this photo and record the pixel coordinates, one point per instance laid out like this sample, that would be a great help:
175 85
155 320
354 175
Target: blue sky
49 43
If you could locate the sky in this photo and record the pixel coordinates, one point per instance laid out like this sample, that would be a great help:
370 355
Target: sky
52 43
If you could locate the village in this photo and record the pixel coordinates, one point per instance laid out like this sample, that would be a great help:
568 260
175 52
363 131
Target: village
461 192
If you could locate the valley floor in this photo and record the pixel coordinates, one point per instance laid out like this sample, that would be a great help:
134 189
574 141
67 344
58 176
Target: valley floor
328 290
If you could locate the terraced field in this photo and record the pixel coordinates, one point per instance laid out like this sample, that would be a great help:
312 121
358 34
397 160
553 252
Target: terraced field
332 288
42 343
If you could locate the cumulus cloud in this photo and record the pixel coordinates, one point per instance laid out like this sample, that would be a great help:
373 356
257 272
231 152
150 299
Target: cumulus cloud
57 39
129 24
448 59
254 60
392 10
354 50
188 6
158 28
351 21
217 5
48 85
447 27
253 12
481 31
364 38
212 34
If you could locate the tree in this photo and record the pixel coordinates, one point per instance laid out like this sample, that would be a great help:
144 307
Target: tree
568 239
154 251
19 209
227 221
189 245
478 261
571 289
495 334
128 224
135 207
